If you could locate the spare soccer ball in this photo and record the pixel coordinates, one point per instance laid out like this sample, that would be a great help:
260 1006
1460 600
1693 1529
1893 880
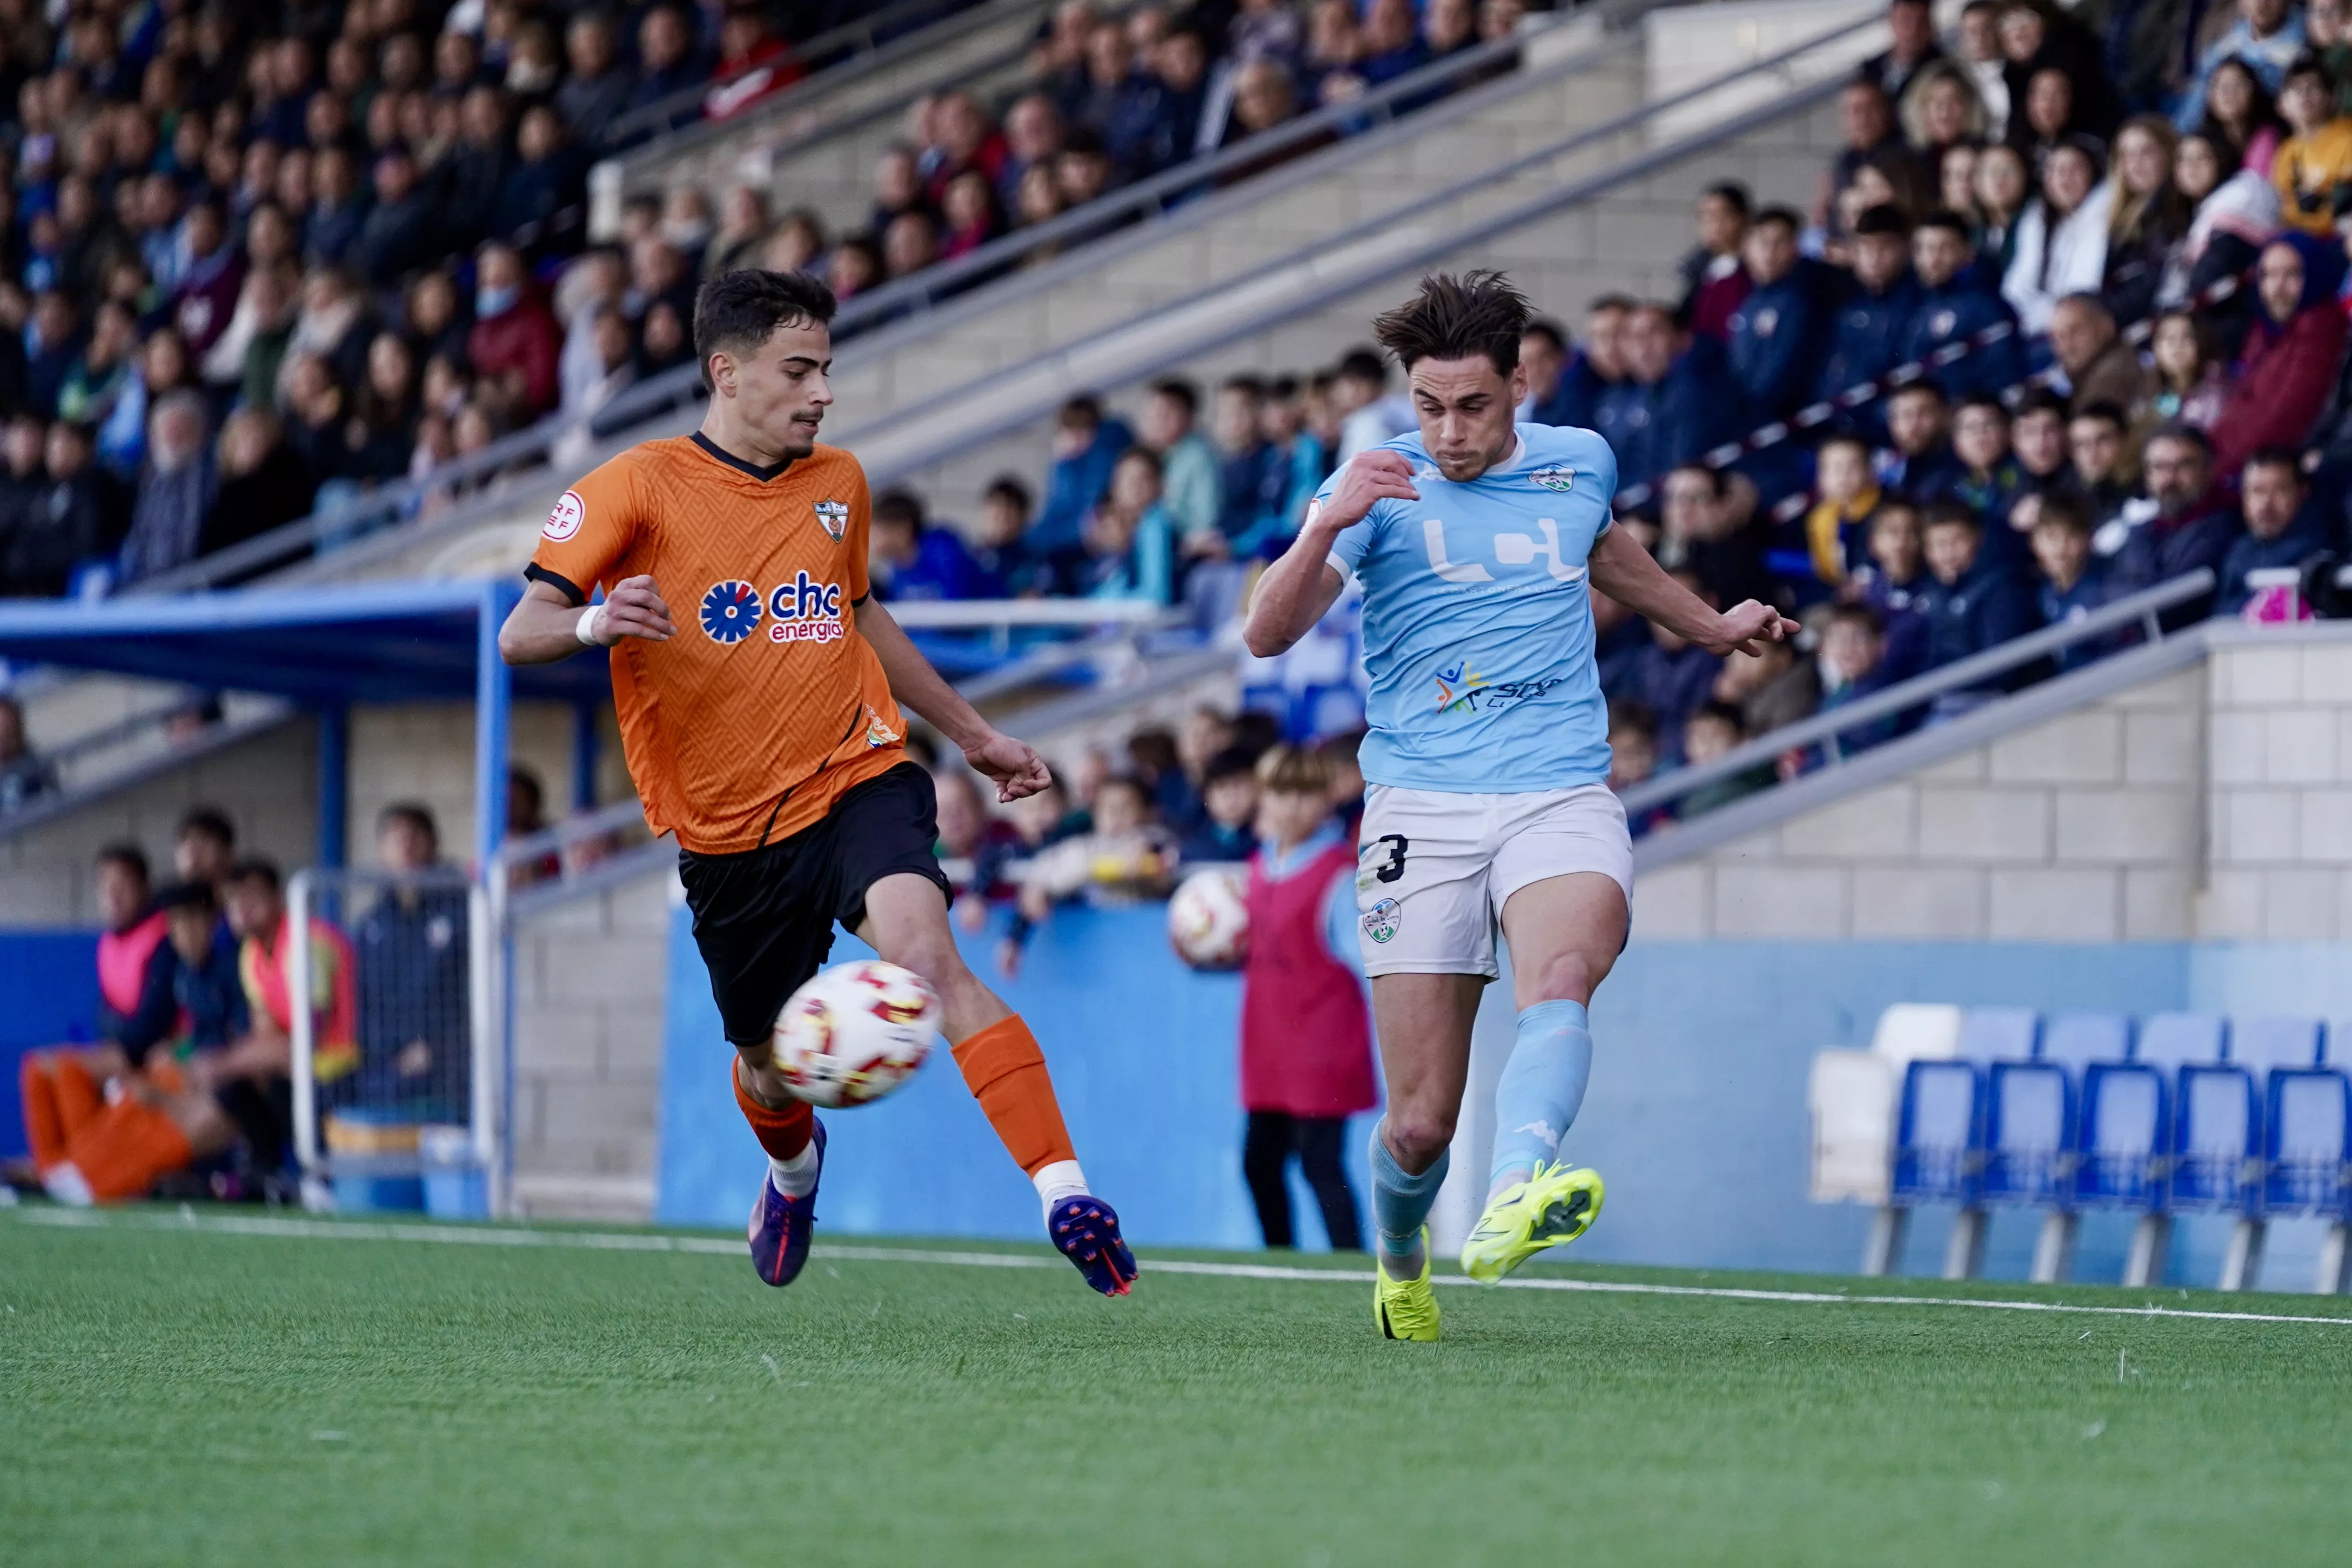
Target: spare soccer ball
855 1033
1208 920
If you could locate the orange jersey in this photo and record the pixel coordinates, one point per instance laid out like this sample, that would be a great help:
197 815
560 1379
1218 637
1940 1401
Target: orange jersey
749 724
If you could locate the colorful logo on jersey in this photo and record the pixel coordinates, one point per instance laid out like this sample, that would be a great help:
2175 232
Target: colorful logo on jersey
729 611
805 610
1457 689
564 521
833 517
1381 921
877 733
1555 477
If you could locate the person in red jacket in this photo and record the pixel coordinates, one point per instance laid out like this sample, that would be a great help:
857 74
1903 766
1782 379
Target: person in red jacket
2288 366
515 344
1306 1032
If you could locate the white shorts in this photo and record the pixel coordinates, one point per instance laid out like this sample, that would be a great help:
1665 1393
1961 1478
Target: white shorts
1434 869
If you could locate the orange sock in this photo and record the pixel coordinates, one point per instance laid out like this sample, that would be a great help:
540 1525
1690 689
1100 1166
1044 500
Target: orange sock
122 1153
45 1132
1006 1073
782 1133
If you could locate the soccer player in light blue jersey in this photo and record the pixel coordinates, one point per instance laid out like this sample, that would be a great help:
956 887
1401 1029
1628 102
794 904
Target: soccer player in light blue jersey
1479 543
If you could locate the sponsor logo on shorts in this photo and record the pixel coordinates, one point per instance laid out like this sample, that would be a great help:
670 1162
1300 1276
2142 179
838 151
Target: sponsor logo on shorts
564 521
1552 477
1381 921
833 518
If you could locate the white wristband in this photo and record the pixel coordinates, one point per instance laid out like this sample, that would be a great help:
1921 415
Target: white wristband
589 624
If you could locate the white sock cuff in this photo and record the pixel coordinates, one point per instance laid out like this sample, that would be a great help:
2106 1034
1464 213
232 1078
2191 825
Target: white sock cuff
1059 1180
795 1176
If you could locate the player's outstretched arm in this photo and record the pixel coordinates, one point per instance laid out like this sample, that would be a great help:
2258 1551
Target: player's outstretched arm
544 625
1292 594
1015 766
1622 569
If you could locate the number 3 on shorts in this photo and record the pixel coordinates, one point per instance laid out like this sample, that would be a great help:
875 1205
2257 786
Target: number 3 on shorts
1396 844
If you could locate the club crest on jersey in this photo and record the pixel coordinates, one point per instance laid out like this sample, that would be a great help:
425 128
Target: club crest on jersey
564 521
1381 922
1555 477
833 517
731 610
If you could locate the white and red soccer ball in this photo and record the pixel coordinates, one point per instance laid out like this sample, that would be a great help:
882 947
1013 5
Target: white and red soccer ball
855 1033
1208 920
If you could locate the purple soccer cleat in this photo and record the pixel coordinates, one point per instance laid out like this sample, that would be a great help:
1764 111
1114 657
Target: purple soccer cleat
1086 1230
780 1226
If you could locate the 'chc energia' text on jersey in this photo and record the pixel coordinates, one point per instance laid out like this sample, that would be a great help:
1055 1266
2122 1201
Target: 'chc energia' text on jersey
1478 622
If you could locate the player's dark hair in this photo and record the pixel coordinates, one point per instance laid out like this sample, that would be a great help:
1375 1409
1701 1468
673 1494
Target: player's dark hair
1179 391
899 505
417 814
1009 489
1885 218
1731 193
129 857
1946 218
257 869
2278 456
2062 511
1455 316
737 311
1856 614
210 822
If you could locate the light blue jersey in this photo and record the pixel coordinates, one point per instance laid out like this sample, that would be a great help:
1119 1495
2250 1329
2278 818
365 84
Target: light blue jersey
1477 623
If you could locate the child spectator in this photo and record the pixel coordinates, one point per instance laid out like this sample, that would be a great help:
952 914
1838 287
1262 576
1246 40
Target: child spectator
2313 167
1984 478
1189 479
1973 604
1306 1041
1124 856
2070 582
2280 530
2184 382
1850 658
1127 541
1001 543
1634 755
1849 494
909 560
1086 445
1894 584
1772 687
1670 678
1715 281
1228 803
1714 731
1954 305
1339 755
2094 450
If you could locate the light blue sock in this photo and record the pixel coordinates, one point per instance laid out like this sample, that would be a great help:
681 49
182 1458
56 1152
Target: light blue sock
1399 1204
1542 1085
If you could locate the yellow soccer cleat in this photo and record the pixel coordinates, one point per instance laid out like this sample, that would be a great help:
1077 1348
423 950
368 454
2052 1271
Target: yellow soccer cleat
1552 1206
1405 1308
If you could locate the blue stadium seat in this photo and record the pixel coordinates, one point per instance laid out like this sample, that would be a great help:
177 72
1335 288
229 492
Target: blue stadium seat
2030 1112
2125 1138
2306 1144
2212 1130
1939 1126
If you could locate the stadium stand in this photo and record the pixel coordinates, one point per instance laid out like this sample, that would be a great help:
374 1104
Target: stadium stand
2173 1114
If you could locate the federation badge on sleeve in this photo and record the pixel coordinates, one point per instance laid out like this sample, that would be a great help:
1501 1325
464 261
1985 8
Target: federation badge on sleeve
564 521
834 517
1555 477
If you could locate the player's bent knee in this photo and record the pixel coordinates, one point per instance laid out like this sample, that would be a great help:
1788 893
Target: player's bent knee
1418 1138
1564 977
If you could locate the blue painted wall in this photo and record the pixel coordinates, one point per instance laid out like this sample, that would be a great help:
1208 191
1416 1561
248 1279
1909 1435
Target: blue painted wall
48 993
1695 1116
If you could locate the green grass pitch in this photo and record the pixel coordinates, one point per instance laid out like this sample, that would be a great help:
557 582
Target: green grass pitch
172 1394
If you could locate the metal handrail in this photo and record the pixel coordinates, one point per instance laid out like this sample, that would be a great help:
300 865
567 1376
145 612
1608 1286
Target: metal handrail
850 46
657 394
2143 610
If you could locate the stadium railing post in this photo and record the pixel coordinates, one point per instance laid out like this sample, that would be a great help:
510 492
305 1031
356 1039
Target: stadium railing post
2243 1261
1890 1226
2054 1247
1964 1252
2151 1242
2335 1275
314 1190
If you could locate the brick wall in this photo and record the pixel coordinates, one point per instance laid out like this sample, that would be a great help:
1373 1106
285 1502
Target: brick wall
2280 817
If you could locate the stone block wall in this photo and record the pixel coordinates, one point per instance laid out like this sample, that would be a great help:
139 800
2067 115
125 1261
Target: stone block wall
2280 813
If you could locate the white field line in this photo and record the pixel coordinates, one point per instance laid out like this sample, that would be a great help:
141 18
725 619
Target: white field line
646 1241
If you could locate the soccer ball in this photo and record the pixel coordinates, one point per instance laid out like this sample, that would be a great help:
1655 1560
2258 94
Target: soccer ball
855 1033
1208 920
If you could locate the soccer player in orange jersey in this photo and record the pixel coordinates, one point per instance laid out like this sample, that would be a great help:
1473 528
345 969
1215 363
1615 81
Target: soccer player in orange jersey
762 728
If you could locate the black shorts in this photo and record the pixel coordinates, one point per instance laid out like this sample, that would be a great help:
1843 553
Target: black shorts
764 917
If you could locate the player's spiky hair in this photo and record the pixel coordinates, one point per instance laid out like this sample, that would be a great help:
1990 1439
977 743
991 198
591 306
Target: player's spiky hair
737 310
1455 316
